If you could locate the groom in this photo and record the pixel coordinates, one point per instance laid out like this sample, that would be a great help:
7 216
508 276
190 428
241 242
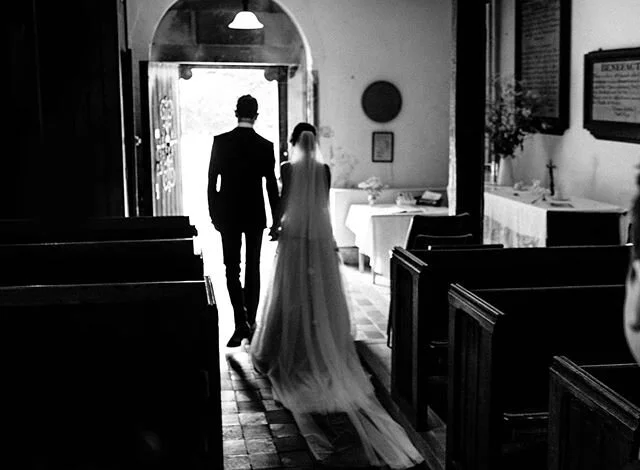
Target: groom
239 160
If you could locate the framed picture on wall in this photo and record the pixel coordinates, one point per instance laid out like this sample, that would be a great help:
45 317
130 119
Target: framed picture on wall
542 58
612 94
382 147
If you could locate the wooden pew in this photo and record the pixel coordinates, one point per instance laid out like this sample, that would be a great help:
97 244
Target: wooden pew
502 342
594 415
13 231
419 286
99 262
111 376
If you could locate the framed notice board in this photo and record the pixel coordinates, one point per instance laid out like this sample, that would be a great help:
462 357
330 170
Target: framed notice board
612 94
382 147
543 36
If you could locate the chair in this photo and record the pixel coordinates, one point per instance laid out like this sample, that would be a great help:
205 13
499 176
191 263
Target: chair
492 246
458 225
427 230
425 242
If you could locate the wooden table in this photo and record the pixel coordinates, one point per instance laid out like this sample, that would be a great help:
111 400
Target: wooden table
520 219
380 227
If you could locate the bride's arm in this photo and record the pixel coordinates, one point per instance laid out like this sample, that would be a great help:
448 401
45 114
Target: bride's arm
285 175
327 171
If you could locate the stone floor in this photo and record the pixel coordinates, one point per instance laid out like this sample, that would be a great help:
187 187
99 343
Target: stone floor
258 433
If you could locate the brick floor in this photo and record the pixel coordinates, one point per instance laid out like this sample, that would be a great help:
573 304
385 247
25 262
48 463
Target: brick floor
266 437
258 432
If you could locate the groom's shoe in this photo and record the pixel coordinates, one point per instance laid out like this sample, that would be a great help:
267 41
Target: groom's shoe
238 335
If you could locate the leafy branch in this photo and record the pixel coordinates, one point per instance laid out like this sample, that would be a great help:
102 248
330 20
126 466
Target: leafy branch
510 118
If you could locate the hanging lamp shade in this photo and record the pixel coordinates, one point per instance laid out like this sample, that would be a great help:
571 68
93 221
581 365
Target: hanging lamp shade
246 19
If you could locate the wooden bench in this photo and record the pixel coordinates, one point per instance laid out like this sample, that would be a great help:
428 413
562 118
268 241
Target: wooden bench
419 303
97 373
14 231
99 262
502 342
467 245
594 415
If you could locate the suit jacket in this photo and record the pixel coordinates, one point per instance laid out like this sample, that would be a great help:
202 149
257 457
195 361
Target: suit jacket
241 158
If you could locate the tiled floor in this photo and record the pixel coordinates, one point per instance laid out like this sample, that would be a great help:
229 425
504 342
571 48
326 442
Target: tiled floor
258 433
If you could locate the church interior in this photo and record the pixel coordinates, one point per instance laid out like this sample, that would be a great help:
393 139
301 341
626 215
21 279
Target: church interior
484 158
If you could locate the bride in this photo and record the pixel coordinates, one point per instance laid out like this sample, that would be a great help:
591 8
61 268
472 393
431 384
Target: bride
303 340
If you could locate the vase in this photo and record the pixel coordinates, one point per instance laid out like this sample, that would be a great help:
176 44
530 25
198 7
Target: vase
505 172
372 198
493 172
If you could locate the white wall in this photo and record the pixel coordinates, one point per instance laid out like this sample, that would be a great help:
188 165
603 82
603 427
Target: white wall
354 43
597 169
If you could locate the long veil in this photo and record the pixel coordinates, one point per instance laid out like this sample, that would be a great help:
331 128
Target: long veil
303 341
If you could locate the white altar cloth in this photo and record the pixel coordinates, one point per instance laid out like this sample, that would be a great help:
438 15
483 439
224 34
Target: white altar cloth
519 218
380 227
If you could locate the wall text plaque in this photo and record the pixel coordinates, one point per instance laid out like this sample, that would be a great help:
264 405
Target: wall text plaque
612 94
543 30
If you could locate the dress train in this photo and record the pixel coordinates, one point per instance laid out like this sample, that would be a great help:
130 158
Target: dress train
303 343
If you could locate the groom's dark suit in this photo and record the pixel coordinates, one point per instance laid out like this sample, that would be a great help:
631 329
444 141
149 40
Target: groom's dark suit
241 158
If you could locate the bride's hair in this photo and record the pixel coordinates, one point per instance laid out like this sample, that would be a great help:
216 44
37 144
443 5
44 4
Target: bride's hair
299 129
307 142
306 148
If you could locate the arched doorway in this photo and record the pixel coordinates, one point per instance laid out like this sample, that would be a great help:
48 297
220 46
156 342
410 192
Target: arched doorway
194 35
192 42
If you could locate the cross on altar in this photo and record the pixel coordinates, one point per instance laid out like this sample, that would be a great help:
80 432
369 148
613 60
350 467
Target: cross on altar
551 167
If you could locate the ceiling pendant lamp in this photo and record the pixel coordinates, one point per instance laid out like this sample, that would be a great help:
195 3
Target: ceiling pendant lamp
245 19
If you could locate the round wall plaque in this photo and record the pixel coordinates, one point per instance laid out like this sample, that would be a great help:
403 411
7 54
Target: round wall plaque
381 101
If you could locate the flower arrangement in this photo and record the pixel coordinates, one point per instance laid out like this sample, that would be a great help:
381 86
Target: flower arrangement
510 119
373 185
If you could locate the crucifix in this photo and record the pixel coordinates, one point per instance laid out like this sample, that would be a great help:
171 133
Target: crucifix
551 167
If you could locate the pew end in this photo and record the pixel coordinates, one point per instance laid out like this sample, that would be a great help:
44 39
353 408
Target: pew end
502 342
419 306
594 415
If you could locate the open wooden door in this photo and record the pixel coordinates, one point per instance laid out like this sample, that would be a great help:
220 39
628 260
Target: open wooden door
164 107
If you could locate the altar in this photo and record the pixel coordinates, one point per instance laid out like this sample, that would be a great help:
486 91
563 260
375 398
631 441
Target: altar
527 219
380 227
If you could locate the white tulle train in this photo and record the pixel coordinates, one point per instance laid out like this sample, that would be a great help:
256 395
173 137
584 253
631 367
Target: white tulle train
303 342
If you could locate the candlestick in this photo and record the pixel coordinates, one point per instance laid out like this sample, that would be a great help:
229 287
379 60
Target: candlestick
551 167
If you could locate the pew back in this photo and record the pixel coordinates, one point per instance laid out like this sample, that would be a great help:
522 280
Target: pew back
517 267
101 261
419 302
94 229
95 368
501 345
594 415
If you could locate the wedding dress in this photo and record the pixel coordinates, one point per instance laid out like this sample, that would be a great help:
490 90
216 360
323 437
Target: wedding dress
303 340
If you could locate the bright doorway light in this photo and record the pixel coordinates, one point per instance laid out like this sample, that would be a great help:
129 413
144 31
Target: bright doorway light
207 104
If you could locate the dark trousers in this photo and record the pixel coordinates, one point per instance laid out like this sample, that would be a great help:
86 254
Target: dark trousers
244 301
